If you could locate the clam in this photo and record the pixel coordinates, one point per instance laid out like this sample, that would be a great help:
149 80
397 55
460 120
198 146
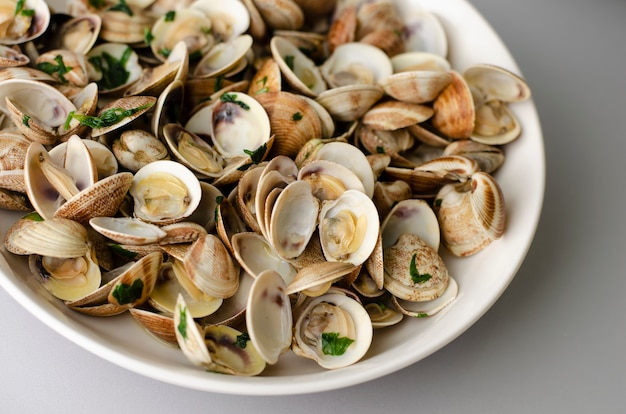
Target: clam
37 109
332 329
419 61
165 192
239 125
423 30
281 14
413 270
113 66
22 21
155 79
67 278
297 68
173 280
427 308
125 26
65 66
418 86
471 215
223 57
189 25
454 109
293 219
255 254
330 179
348 228
193 151
268 316
412 216
135 148
10 57
127 230
356 63
216 348
229 18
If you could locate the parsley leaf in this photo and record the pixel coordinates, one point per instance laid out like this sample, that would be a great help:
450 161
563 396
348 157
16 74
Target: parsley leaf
19 9
125 294
113 70
106 118
170 16
25 120
182 325
121 7
289 60
415 274
60 69
257 155
232 98
148 37
242 340
297 116
333 344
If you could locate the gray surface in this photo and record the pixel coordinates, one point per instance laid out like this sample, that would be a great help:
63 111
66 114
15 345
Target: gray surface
552 343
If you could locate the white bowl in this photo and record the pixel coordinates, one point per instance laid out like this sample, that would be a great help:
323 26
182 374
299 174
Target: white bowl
482 278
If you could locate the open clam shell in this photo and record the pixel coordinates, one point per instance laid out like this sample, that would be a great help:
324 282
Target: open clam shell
23 21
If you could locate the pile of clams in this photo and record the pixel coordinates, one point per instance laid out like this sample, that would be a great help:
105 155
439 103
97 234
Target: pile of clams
248 178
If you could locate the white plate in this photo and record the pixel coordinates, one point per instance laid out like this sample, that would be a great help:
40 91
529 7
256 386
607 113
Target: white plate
482 278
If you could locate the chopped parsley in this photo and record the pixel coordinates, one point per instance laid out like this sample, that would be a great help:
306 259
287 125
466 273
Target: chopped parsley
121 251
34 216
182 325
195 56
121 7
262 81
438 202
416 277
113 70
297 116
170 16
106 118
165 52
60 69
232 98
263 90
380 149
257 155
96 4
218 201
333 344
148 37
219 83
19 9
421 315
242 340
25 120
125 294
206 30
290 60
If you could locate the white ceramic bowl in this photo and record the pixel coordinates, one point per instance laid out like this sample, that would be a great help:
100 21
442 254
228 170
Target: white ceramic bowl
482 278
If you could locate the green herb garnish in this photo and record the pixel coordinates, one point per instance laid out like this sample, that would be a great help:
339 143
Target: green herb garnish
125 294
232 98
114 73
421 315
380 149
34 216
170 16
260 91
438 202
182 325
106 118
333 344
122 252
206 30
148 37
97 4
297 116
416 277
165 52
195 56
19 9
60 69
219 83
218 201
25 120
122 7
242 340
289 60
257 155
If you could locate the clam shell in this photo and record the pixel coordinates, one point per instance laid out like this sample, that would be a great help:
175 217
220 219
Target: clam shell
268 316
454 109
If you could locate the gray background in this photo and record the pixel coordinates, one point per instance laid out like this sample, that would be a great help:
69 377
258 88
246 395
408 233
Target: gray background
553 342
